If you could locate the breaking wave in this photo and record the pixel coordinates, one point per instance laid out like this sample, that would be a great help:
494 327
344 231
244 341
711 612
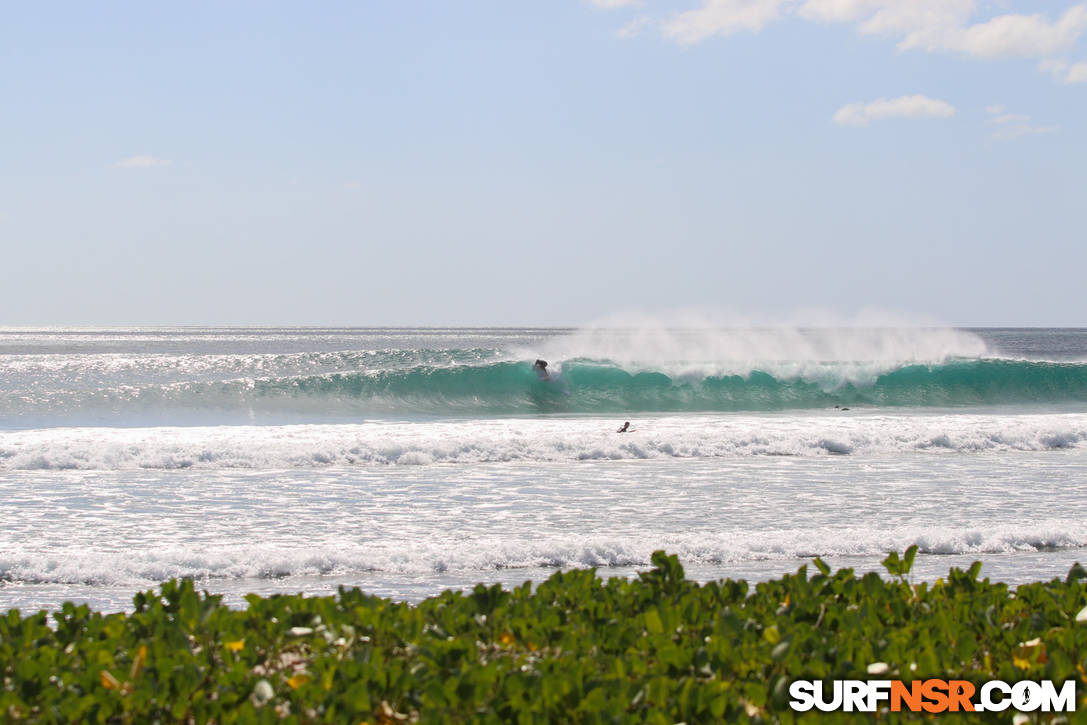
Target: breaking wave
531 440
138 568
578 386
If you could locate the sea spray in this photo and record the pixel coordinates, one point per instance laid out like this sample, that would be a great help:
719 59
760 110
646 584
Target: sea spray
697 348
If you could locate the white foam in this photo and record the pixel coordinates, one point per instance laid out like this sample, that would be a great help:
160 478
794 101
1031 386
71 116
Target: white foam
543 440
471 554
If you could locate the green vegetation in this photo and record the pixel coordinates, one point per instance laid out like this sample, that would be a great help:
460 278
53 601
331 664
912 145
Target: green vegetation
657 649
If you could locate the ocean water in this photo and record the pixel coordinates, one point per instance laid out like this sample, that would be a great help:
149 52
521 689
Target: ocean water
407 461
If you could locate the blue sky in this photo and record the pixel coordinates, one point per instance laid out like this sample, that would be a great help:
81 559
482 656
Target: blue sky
389 163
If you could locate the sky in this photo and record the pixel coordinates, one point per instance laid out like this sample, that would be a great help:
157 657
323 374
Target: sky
487 162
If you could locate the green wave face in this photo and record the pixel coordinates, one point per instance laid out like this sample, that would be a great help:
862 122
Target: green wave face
587 387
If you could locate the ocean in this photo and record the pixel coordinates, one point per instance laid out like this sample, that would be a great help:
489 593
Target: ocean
408 461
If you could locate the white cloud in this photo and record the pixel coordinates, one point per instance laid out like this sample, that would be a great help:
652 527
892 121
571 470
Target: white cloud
1010 118
932 25
1014 131
634 28
836 11
1064 71
1014 125
1018 35
918 21
916 106
141 162
723 17
1058 68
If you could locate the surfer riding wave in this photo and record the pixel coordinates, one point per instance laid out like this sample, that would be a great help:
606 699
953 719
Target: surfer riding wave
540 368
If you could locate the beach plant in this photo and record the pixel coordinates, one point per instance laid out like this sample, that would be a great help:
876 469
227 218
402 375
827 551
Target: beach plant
656 648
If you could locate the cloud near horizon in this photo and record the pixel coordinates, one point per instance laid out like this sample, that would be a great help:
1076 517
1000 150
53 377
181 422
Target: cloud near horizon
143 161
911 107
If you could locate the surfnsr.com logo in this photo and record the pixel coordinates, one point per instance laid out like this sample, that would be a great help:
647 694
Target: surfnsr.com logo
932 695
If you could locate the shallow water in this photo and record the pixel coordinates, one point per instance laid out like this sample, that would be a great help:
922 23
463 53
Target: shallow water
409 531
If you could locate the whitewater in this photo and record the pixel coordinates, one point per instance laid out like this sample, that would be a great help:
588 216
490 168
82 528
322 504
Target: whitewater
405 461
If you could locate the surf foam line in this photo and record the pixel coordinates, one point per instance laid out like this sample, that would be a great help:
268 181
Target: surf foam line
576 387
533 440
467 555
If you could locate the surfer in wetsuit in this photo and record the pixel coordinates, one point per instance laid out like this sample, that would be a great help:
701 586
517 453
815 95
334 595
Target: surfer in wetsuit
624 428
540 368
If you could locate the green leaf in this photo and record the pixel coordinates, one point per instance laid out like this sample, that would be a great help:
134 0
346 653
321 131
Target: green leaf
892 564
653 623
907 559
